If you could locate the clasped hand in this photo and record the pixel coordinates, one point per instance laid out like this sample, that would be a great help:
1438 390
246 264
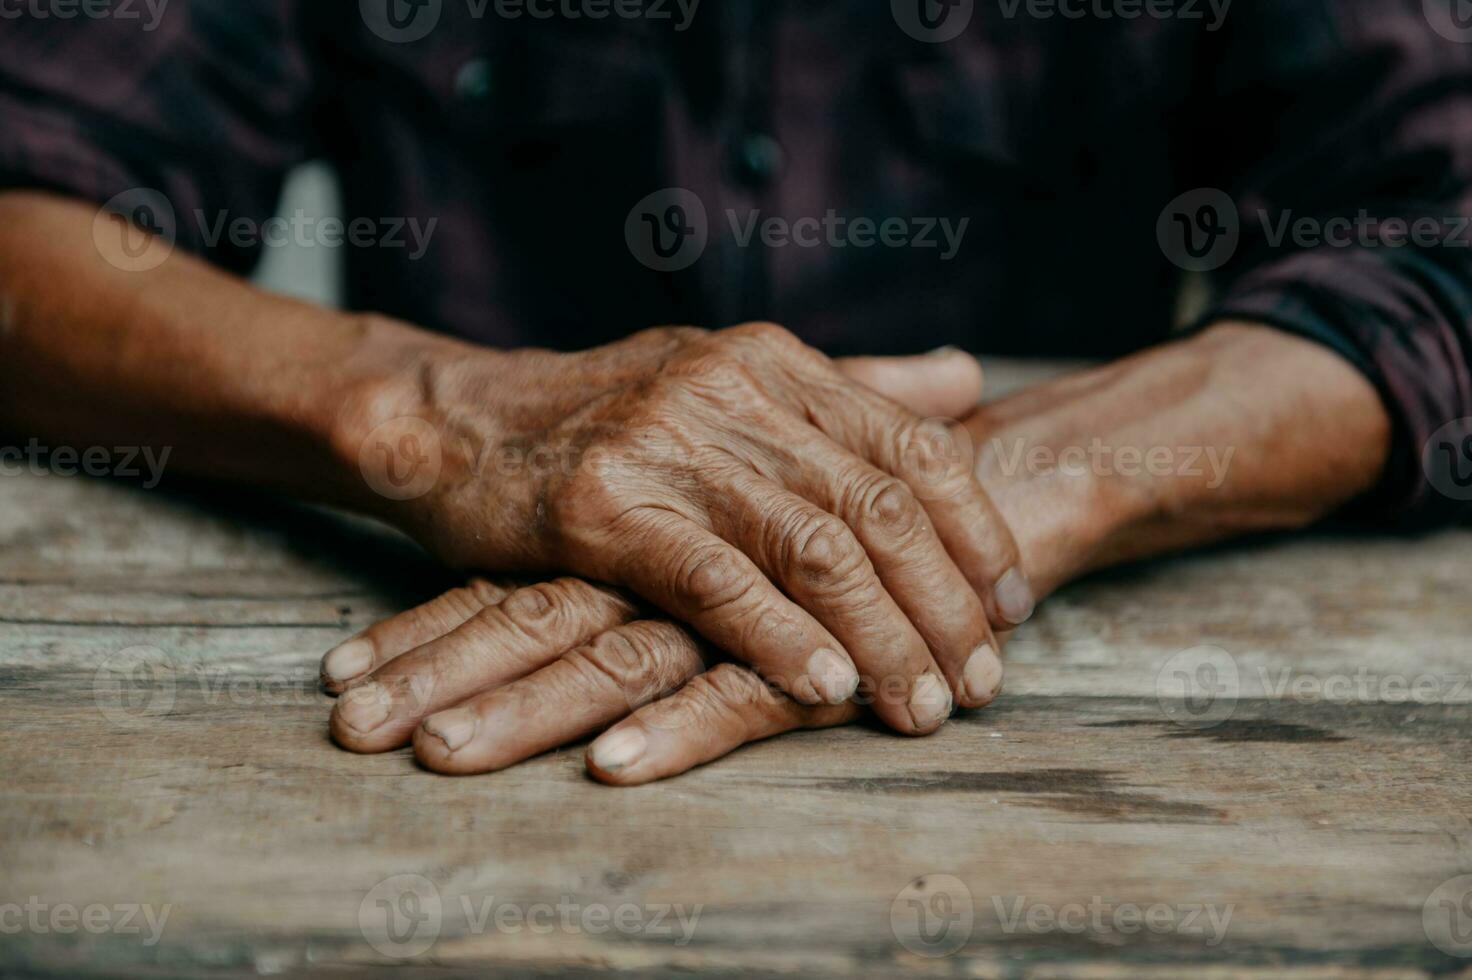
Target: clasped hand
831 542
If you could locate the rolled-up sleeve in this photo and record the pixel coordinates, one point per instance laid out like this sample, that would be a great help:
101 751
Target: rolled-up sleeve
205 102
1344 138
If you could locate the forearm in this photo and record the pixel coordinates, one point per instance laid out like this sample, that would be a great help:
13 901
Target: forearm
238 383
1240 429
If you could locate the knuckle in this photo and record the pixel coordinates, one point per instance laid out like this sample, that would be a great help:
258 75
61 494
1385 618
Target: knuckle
535 607
643 660
934 455
711 578
615 657
769 628
735 688
531 602
458 605
889 507
483 592
823 548
716 369
669 336
767 334
717 702
774 339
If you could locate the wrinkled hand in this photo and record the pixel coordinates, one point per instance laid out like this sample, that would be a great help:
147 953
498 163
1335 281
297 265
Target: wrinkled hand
739 481
533 668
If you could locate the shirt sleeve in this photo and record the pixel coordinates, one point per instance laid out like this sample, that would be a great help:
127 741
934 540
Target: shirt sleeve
1342 132
202 104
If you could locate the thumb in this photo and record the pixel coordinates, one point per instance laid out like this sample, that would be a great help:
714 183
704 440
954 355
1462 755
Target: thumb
945 383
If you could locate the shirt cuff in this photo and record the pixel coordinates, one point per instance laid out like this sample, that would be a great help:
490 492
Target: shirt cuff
1403 320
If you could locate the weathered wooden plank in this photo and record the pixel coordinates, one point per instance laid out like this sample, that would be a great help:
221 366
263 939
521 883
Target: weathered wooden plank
1323 829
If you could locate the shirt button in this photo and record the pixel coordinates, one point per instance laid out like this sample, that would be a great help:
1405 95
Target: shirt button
473 80
759 159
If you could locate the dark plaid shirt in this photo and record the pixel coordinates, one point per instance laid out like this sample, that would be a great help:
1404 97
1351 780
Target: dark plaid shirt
590 177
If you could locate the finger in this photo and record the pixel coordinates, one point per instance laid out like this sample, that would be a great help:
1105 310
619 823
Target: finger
893 529
352 660
698 578
937 461
529 628
946 382
720 710
818 561
583 692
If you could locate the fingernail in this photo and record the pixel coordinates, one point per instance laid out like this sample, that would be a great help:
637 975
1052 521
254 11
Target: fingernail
364 708
618 749
833 676
982 675
930 702
945 351
454 727
1014 597
347 661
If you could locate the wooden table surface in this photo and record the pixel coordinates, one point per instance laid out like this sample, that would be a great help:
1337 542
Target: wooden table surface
1253 762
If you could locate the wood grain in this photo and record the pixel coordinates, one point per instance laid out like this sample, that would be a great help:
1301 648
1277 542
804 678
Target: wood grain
166 746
